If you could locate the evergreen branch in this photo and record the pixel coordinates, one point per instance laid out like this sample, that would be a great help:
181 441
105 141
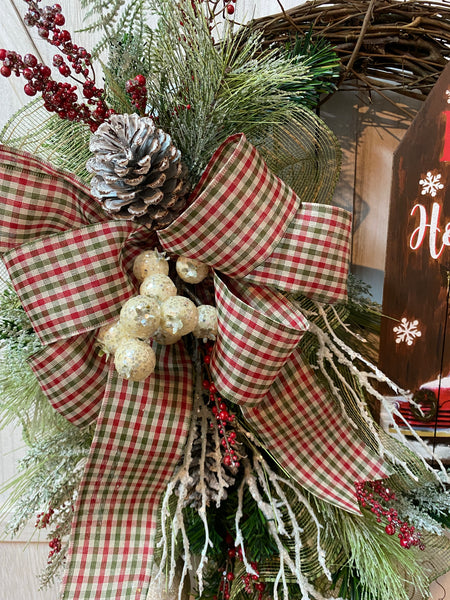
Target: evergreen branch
371 553
119 16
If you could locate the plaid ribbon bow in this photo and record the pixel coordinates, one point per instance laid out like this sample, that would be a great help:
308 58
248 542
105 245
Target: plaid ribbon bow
71 270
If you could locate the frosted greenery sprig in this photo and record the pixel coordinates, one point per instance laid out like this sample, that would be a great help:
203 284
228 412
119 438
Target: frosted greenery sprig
112 16
371 554
426 507
49 476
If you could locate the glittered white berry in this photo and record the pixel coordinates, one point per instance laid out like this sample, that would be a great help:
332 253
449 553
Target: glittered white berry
134 360
191 270
149 262
158 286
207 322
165 338
140 316
179 315
110 336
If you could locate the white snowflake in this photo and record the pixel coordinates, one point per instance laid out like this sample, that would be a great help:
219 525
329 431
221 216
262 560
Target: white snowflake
407 331
431 184
447 93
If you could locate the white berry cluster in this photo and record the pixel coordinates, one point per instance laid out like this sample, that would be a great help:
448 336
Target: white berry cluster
158 313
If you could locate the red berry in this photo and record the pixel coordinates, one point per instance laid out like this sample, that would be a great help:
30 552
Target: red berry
227 460
45 71
88 92
2 54
5 71
405 543
30 60
230 576
59 19
207 360
57 8
230 9
64 70
29 90
43 32
140 80
390 529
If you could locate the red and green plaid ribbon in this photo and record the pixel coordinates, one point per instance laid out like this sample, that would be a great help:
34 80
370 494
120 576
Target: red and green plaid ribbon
72 273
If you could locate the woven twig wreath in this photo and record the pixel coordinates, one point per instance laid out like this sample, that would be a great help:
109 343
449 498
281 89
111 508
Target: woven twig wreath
382 44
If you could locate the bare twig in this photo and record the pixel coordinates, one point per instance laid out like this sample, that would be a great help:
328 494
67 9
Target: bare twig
359 41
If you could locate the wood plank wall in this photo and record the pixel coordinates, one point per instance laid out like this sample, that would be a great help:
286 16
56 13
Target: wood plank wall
368 128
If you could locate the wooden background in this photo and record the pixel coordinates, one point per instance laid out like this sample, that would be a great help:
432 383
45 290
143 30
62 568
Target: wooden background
369 129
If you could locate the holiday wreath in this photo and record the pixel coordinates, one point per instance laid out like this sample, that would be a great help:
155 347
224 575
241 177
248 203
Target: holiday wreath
197 413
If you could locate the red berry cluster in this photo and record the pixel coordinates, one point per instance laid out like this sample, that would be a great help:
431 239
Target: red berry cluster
55 547
138 92
366 493
43 519
251 581
221 412
58 97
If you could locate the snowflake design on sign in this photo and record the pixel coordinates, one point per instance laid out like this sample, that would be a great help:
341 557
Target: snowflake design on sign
407 331
431 184
447 93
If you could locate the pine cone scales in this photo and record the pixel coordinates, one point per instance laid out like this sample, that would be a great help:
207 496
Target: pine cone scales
138 173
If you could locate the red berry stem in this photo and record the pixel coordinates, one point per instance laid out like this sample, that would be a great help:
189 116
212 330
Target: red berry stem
251 582
220 410
58 97
136 88
369 495
55 547
43 519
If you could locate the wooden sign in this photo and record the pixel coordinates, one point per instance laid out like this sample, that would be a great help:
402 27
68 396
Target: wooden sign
415 332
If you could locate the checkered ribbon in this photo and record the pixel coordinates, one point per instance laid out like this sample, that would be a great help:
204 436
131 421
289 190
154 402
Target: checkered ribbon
72 273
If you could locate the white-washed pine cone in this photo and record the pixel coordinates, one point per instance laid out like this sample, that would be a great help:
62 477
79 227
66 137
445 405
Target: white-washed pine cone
138 173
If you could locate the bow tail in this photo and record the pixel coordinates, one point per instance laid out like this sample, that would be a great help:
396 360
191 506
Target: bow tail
256 364
303 429
140 435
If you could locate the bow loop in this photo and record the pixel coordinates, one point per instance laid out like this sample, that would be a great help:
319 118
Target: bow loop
37 200
239 212
258 331
72 282
316 241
